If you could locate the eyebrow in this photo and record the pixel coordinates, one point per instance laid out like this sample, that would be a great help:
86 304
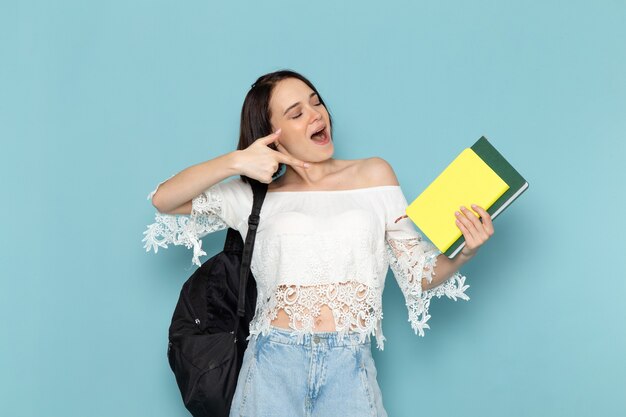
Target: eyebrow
295 104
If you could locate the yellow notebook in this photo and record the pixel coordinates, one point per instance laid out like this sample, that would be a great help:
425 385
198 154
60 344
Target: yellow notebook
467 180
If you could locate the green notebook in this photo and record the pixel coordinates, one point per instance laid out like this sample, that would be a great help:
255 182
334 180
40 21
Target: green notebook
503 168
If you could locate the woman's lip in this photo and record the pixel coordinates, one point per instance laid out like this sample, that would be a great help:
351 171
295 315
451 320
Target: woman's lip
318 131
325 141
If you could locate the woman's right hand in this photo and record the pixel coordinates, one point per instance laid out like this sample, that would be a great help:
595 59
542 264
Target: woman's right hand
260 162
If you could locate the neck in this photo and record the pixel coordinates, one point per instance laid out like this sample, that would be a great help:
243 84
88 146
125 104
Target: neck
310 177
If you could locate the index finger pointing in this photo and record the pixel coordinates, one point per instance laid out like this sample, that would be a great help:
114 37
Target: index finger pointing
272 137
285 157
289 160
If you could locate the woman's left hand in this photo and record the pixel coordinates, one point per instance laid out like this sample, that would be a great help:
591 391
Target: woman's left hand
476 233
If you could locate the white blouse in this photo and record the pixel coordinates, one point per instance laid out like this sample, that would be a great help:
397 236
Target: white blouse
316 248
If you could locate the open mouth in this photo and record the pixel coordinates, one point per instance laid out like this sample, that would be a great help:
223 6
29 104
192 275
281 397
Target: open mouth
320 136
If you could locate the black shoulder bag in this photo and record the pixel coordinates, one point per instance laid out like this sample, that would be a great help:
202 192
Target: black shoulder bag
210 324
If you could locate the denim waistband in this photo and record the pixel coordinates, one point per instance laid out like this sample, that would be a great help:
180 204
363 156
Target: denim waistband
330 339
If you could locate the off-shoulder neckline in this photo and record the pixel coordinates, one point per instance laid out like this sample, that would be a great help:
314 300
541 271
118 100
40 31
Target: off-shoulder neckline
376 187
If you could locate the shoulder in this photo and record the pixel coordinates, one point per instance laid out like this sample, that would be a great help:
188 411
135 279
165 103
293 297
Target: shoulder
377 172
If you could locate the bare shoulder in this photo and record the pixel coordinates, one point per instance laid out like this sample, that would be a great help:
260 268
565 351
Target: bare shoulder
377 172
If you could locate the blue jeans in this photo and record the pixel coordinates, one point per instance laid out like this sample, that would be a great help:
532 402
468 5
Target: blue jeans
320 376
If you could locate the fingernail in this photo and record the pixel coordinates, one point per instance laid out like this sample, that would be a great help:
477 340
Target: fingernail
474 206
278 131
306 165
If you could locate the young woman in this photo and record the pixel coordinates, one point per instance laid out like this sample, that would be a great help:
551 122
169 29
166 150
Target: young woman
328 233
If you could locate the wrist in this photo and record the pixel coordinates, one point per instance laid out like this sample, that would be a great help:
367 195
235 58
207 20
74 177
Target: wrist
234 162
466 256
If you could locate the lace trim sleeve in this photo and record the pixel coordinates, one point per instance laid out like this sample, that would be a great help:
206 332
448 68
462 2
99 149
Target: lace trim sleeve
412 258
176 229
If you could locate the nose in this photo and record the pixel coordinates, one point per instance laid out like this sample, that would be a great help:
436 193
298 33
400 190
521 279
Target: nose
315 115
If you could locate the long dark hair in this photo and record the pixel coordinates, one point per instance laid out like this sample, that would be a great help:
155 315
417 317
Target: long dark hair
255 112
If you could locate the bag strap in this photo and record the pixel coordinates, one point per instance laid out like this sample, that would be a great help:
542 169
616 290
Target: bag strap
258 190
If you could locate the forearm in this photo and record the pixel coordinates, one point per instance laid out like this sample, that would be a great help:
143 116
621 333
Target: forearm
444 269
193 180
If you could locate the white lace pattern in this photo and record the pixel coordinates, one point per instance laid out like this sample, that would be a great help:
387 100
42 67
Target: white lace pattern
185 230
411 266
319 249
355 307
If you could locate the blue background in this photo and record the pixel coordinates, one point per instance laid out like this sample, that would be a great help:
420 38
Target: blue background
99 101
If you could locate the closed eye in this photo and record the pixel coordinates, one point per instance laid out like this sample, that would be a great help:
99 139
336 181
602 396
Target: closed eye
319 103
